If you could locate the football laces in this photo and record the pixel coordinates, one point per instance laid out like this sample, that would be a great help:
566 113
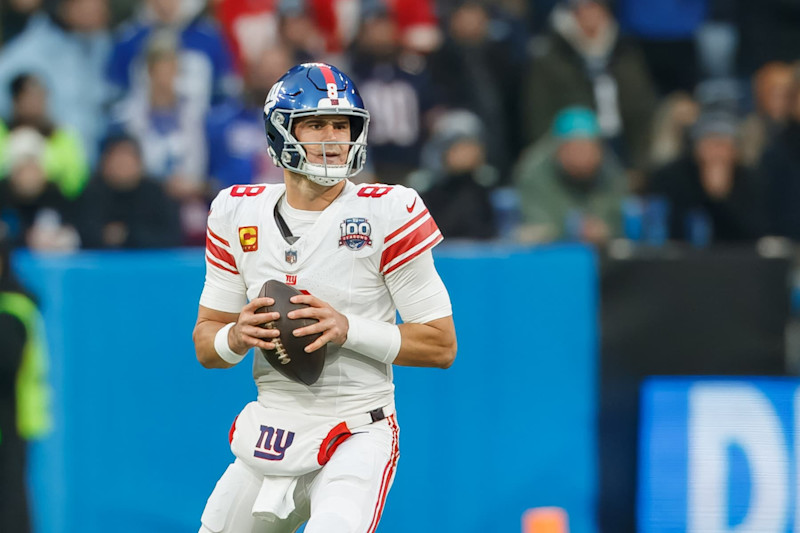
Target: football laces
283 357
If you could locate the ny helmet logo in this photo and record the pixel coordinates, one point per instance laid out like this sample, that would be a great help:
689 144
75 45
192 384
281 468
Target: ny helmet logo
272 443
355 233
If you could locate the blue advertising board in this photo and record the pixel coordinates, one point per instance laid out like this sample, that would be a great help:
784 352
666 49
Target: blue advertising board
719 455
141 428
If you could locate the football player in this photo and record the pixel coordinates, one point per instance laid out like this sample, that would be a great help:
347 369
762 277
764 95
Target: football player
323 454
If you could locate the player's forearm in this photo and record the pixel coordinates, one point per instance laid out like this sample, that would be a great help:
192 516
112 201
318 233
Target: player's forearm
203 336
430 345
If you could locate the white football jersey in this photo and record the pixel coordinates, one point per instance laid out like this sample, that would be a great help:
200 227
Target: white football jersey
366 233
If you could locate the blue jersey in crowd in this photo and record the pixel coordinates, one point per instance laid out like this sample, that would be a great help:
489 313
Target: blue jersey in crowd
205 63
237 147
397 99
662 19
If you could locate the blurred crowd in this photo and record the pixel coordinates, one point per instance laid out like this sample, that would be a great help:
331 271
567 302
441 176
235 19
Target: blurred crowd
526 120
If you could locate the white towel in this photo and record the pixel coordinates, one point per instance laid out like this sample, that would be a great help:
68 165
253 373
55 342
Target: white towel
275 500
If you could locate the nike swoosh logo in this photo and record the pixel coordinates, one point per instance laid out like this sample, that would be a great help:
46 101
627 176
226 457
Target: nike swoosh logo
410 208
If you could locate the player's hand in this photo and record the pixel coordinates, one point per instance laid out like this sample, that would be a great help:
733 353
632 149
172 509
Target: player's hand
331 323
248 333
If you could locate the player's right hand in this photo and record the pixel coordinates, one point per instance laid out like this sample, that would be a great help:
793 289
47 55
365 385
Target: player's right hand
248 331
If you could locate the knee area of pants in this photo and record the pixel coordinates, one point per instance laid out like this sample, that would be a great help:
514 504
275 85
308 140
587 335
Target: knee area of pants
336 516
329 523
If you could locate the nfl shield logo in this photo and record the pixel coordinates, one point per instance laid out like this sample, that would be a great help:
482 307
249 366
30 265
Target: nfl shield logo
355 233
291 256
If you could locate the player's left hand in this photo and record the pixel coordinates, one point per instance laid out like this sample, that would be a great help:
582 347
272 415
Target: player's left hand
331 323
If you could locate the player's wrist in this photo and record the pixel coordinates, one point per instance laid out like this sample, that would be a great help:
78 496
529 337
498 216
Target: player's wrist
233 340
223 347
373 338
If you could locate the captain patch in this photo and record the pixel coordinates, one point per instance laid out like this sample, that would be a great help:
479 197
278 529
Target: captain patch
248 236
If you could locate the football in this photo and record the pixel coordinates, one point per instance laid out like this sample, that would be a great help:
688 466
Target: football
289 357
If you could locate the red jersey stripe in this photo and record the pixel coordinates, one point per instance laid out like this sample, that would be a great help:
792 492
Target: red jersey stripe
405 260
425 230
214 261
220 239
388 475
384 480
220 253
405 226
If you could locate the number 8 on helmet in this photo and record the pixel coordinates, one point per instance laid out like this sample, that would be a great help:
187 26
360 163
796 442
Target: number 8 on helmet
312 89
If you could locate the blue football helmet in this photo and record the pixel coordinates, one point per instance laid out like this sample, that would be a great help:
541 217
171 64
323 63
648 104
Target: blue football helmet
315 89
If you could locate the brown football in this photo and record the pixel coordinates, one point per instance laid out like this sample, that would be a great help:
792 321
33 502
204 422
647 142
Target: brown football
289 357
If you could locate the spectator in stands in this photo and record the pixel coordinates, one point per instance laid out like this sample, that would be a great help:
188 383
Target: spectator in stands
570 186
780 169
678 112
252 27
16 16
235 130
396 87
205 73
457 185
24 393
65 160
298 31
320 29
33 208
772 85
584 61
475 57
168 128
67 52
415 23
674 117
122 208
247 26
711 196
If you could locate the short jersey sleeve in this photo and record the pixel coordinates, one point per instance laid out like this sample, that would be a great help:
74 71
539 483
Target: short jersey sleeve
411 230
224 289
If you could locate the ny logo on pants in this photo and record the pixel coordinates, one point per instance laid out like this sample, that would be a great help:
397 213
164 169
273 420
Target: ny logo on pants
272 443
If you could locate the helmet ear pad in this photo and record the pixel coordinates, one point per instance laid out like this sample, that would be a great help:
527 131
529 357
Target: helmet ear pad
291 154
356 127
276 141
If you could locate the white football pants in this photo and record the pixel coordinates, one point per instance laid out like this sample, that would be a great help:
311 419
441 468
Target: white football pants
346 496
